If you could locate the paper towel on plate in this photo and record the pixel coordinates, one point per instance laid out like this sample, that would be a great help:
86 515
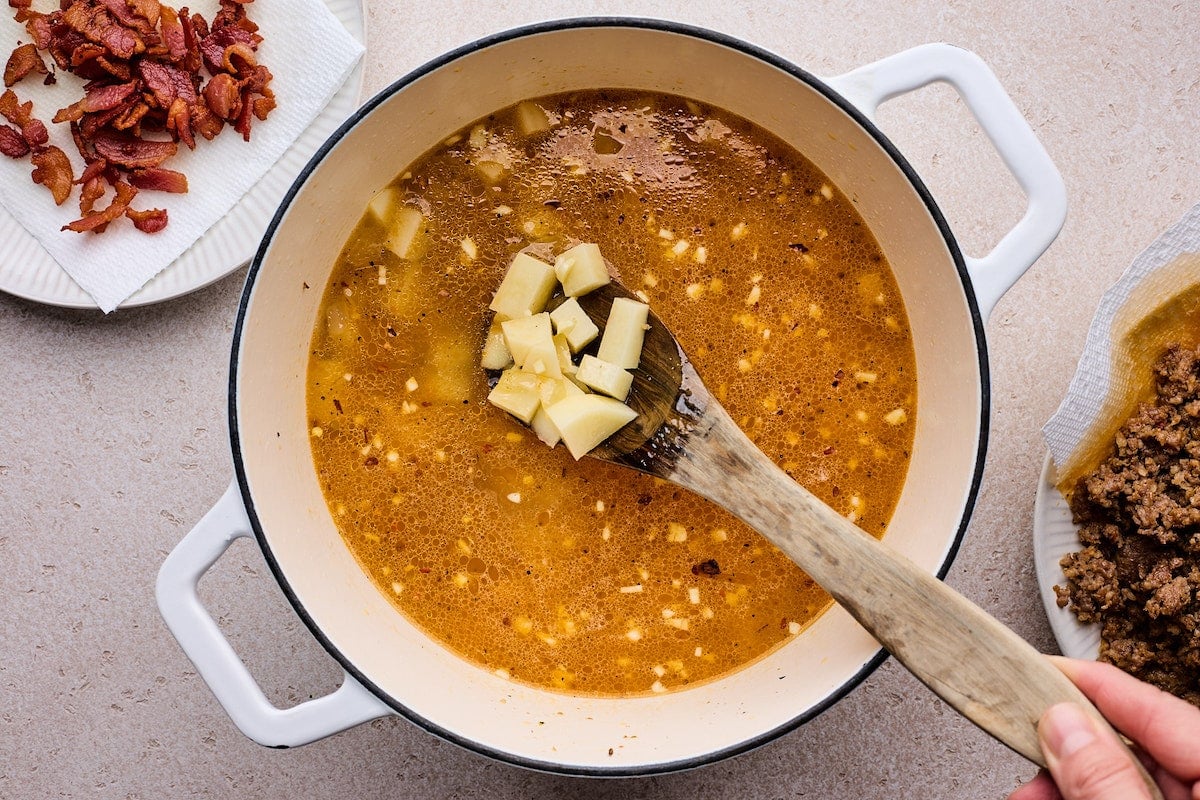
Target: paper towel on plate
1156 301
310 54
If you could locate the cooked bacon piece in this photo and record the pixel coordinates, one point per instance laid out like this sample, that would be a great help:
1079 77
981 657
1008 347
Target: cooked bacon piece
98 220
35 133
41 30
159 180
143 62
22 11
24 60
214 46
166 82
129 18
179 122
52 169
130 118
149 10
172 34
21 115
204 122
131 152
224 96
14 110
151 221
96 24
12 143
99 97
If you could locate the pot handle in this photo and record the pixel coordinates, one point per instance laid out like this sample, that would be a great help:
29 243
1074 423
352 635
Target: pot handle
873 84
225 674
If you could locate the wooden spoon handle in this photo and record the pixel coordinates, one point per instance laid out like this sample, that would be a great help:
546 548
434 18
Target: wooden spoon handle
968 658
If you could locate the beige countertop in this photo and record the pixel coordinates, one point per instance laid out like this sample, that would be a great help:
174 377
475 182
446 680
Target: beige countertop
114 438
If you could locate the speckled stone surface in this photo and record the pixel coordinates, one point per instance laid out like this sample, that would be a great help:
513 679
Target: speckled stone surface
113 439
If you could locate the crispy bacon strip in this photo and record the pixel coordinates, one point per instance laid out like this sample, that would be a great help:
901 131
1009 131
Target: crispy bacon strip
172 34
159 180
151 221
99 97
98 220
94 22
130 151
12 143
52 169
22 62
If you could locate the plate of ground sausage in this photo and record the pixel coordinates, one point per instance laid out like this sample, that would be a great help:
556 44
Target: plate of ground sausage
1118 564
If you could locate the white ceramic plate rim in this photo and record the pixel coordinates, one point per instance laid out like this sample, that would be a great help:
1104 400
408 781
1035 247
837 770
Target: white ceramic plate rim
1054 536
28 271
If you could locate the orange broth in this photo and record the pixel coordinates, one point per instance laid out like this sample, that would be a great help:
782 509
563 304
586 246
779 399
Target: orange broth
581 576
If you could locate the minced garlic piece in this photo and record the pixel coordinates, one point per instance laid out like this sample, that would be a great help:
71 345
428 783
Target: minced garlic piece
514 497
896 416
634 589
754 295
738 231
700 255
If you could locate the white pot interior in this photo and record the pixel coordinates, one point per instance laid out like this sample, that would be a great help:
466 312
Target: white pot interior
467 702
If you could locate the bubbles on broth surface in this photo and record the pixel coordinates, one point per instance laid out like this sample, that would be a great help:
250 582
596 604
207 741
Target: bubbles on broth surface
582 576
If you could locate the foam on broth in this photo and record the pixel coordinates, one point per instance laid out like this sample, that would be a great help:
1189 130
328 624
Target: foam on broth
583 576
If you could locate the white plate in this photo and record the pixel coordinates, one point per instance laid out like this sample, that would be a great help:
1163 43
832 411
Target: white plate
1054 536
28 271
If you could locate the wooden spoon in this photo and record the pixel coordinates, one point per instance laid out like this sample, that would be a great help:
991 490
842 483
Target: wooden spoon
968 658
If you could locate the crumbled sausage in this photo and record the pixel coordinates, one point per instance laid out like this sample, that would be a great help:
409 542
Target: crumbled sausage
1138 573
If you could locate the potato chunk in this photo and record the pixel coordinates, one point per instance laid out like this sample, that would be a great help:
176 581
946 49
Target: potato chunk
624 333
521 335
551 391
581 269
525 289
586 420
604 377
406 226
496 354
531 118
573 322
383 203
517 393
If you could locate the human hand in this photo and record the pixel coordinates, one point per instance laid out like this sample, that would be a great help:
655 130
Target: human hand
1086 763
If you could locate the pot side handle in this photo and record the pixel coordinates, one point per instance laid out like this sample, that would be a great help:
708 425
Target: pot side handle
873 84
215 660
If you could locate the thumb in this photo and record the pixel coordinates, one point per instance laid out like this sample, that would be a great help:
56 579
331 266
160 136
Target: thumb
1086 762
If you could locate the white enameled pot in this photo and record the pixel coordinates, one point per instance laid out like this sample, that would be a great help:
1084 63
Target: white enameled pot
391 666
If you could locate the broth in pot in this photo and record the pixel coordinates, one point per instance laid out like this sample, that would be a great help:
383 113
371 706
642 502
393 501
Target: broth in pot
583 576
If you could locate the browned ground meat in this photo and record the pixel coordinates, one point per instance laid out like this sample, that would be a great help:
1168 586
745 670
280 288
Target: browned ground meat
1138 574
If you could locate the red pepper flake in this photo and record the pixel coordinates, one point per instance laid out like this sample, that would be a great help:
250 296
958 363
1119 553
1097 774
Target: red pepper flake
709 568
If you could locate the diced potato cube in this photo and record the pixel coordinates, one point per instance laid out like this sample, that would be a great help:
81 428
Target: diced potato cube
550 391
525 289
545 430
563 349
623 333
587 420
521 335
581 269
542 359
517 393
492 172
531 118
604 377
496 354
572 321
383 203
406 225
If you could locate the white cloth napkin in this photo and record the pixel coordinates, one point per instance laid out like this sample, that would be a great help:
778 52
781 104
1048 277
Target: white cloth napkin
310 54
1107 380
